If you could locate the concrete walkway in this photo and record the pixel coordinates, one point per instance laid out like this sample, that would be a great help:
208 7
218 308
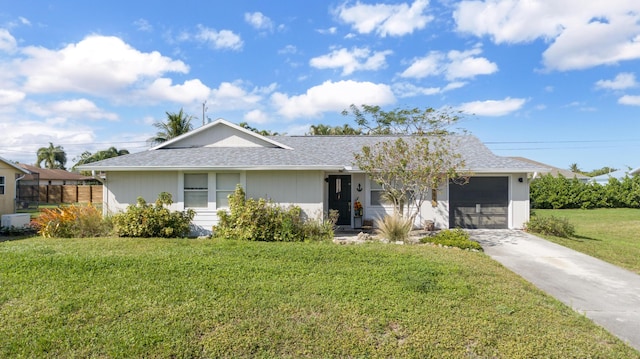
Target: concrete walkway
607 294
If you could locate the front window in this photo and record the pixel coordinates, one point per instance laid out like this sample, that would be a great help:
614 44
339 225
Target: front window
2 184
225 185
377 198
196 190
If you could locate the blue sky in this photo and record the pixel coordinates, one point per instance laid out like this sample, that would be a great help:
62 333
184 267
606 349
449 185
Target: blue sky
556 81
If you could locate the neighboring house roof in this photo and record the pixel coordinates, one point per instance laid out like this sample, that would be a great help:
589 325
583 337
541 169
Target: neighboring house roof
46 174
14 165
223 145
554 171
619 175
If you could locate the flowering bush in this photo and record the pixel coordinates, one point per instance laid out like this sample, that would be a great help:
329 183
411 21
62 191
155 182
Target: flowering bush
72 221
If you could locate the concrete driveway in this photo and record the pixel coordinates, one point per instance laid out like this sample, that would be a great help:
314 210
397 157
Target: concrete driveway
607 294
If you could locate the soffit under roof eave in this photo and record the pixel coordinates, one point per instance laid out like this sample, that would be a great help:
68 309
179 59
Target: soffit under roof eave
506 170
211 168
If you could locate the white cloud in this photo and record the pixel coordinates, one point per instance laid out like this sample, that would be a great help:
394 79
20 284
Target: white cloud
258 21
143 25
454 65
386 20
60 111
330 31
11 97
81 108
256 116
289 49
23 141
162 89
629 100
581 34
223 39
7 42
24 21
358 59
493 107
430 65
405 89
100 65
464 65
235 96
623 80
333 97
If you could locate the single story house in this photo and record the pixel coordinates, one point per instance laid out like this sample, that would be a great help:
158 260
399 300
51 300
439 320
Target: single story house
56 177
202 167
619 175
554 171
10 173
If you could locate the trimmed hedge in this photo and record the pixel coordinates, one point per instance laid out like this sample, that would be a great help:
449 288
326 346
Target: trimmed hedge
548 192
551 226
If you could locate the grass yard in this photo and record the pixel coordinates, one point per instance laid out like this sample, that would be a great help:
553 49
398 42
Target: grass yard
122 297
612 235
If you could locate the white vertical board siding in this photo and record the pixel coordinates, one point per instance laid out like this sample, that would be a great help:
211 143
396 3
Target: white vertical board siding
519 205
223 136
124 188
438 214
300 188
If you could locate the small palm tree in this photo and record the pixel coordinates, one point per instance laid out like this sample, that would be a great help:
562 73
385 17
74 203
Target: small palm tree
53 157
88 157
574 168
319 130
176 125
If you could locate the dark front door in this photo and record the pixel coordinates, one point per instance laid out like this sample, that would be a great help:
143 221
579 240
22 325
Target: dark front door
481 203
340 197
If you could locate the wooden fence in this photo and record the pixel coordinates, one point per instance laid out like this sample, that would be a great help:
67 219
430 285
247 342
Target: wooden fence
56 194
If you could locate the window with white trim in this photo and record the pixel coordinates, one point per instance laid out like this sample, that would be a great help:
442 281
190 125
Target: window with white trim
225 185
2 183
376 192
196 190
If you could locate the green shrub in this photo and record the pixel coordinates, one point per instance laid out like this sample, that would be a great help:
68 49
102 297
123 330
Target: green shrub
548 192
146 220
74 221
452 238
551 226
394 228
262 220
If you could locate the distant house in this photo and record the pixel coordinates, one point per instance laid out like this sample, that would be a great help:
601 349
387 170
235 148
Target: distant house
619 175
10 173
46 176
553 171
202 167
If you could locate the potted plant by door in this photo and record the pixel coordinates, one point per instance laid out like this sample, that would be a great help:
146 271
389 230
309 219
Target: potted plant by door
357 208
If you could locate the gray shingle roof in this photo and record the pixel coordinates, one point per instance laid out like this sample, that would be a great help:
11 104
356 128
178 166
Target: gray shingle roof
321 152
283 152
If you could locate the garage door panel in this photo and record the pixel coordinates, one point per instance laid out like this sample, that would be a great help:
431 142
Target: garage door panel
481 203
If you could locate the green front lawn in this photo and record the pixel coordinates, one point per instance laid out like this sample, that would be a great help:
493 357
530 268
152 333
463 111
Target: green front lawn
122 297
612 235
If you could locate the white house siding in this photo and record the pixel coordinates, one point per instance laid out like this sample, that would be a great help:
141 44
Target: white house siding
130 185
438 214
222 137
301 188
519 201
518 209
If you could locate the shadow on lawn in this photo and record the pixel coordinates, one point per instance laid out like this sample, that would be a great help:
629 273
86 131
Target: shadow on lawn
579 238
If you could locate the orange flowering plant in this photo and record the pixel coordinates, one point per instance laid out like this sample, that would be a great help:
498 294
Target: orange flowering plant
357 207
